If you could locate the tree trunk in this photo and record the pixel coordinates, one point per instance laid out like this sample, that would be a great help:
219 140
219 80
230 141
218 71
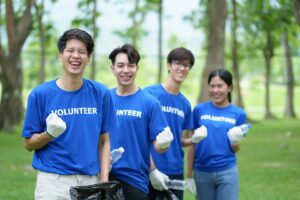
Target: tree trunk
94 29
18 29
268 54
235 64
160 42
11 107
135 24
216 34
297 11
289 103
39 16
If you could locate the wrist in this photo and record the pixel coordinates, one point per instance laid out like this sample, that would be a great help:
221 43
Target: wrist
49 134
151 170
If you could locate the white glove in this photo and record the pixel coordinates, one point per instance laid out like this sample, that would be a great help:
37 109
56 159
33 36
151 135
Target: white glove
191 185
55 125
235 135
158 179
199 134
164 138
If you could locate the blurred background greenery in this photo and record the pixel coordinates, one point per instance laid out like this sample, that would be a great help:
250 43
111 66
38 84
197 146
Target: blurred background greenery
258 41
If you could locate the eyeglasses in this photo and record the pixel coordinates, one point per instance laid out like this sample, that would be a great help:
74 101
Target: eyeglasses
179 65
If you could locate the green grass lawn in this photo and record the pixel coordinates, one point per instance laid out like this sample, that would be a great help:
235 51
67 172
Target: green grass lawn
269 164
17 178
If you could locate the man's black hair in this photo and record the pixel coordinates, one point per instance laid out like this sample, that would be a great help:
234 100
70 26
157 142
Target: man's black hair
181 54
129 50
77 34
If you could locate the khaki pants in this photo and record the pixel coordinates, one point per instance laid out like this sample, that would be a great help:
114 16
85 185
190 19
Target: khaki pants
57 187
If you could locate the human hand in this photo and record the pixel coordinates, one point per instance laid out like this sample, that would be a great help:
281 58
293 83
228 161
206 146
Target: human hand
55 125
191 185
164 138
199 134
235 135
158 179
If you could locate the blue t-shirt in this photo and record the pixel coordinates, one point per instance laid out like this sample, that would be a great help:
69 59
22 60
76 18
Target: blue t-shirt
87 112
214 153
178 113
141 120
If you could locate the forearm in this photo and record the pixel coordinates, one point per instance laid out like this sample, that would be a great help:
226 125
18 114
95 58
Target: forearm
190 161
186 138
158 149
152 165
37 141
104 153
235 147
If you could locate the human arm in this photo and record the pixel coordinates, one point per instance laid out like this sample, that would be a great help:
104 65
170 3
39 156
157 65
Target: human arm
195 136
191 185
37 141
157 178
104 156
163 140
235 147
190 161
55 127
186 138
235 136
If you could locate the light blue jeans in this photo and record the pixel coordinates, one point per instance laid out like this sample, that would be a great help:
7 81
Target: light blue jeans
221 185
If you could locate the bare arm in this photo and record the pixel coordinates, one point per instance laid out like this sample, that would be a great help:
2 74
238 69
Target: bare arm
152 165
37 141
158 149
186 138
235 147
104 156
190 159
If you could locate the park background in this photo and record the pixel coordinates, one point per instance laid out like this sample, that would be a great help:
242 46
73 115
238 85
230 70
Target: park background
258 41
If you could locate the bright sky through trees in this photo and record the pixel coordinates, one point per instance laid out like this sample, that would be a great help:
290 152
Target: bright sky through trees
114 17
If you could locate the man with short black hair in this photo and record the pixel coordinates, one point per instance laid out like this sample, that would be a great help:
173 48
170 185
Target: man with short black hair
142 125
67 123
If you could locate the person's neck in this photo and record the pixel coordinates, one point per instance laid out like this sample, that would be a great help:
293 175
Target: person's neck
69 83
125 91
222 105
171 86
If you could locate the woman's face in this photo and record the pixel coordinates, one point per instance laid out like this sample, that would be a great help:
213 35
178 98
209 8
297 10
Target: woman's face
218 91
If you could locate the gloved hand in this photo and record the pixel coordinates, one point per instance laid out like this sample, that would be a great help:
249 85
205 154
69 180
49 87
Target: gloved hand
158 179
191 185
235 135
164 138
55 125
199 134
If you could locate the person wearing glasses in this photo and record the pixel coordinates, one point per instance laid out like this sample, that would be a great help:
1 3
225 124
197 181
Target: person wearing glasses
178 113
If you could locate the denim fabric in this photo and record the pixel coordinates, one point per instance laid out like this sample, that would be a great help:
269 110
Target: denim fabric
220 185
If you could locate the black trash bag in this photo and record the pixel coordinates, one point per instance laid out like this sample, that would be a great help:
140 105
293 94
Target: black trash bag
165 195
110 190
